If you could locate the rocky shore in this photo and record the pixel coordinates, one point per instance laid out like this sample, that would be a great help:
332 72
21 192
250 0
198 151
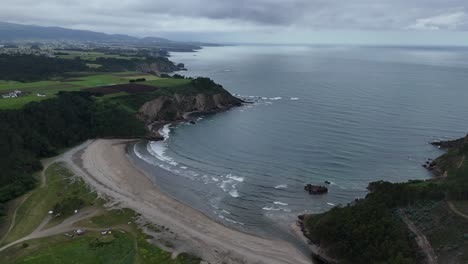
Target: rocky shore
181 107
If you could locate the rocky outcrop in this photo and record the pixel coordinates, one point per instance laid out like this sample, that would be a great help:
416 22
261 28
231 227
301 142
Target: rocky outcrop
157 67
315 189
180 107
442 164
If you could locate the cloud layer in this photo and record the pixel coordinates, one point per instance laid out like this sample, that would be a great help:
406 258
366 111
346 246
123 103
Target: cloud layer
147 17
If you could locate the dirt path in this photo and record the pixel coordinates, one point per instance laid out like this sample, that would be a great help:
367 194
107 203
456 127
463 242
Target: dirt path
456 211
45 164
65 226
461 162
421 240
449 203
13 218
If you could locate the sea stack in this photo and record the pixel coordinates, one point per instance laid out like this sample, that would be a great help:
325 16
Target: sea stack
315 189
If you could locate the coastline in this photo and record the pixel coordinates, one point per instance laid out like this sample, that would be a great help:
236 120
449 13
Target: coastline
105 166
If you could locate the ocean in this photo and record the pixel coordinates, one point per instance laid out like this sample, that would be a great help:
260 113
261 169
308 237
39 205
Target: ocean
344 114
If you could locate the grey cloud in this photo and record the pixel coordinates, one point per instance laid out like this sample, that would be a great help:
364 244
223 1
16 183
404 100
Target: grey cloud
142 16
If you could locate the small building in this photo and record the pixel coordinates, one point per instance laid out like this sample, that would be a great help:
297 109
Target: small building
9 95
41 95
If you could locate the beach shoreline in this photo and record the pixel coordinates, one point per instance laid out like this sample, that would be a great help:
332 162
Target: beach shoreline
105 165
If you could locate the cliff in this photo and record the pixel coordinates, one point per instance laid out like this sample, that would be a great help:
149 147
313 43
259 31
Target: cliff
180 106
381 227
455 150
159 67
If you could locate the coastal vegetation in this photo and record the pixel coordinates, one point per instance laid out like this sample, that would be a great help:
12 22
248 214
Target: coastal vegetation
121 239
22 67
19 67
373 229
42 129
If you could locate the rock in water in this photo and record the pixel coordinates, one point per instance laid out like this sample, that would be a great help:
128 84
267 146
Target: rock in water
315 189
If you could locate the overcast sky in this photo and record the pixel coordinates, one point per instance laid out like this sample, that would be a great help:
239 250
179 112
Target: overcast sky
279 21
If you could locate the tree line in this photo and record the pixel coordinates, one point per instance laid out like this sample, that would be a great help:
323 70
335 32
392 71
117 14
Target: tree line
41 129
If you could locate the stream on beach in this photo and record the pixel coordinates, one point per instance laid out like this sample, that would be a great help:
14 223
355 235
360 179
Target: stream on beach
347 115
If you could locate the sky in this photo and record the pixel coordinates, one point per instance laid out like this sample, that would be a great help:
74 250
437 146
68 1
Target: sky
413 22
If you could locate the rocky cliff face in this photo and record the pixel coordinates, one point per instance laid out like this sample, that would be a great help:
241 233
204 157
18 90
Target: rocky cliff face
457 149
179 107
156 67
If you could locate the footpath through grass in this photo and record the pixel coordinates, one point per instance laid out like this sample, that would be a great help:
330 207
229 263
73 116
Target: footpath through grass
126 243
62 189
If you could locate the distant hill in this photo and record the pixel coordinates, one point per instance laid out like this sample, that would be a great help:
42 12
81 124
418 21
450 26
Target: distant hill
18 32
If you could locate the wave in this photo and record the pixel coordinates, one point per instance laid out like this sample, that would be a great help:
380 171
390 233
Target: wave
294 98
272 208
332 204
276 98
280 203
158 148
228 219
236 178
281 186
234 193
164 131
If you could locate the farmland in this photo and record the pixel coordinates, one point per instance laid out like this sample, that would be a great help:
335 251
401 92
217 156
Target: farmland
90 55
75 82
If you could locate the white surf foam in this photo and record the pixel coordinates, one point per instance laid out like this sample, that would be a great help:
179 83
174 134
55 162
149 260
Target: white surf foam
271 208
280 203
276 98
294 98
332 204
281 186
235 178
234 193
164 131
158 148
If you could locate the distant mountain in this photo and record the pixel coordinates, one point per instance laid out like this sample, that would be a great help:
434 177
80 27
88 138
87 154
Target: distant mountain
18 32
155 40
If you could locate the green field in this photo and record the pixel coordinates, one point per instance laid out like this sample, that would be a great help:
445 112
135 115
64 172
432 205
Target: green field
125 244
50 88
90 55
60 185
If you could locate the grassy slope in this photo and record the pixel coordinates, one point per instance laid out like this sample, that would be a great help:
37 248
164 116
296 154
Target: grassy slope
60 185
126 244
50 88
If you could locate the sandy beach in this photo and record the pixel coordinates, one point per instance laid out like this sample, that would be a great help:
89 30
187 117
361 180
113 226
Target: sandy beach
105 166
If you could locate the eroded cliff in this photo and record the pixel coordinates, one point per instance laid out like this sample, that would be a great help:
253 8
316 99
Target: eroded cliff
179 107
